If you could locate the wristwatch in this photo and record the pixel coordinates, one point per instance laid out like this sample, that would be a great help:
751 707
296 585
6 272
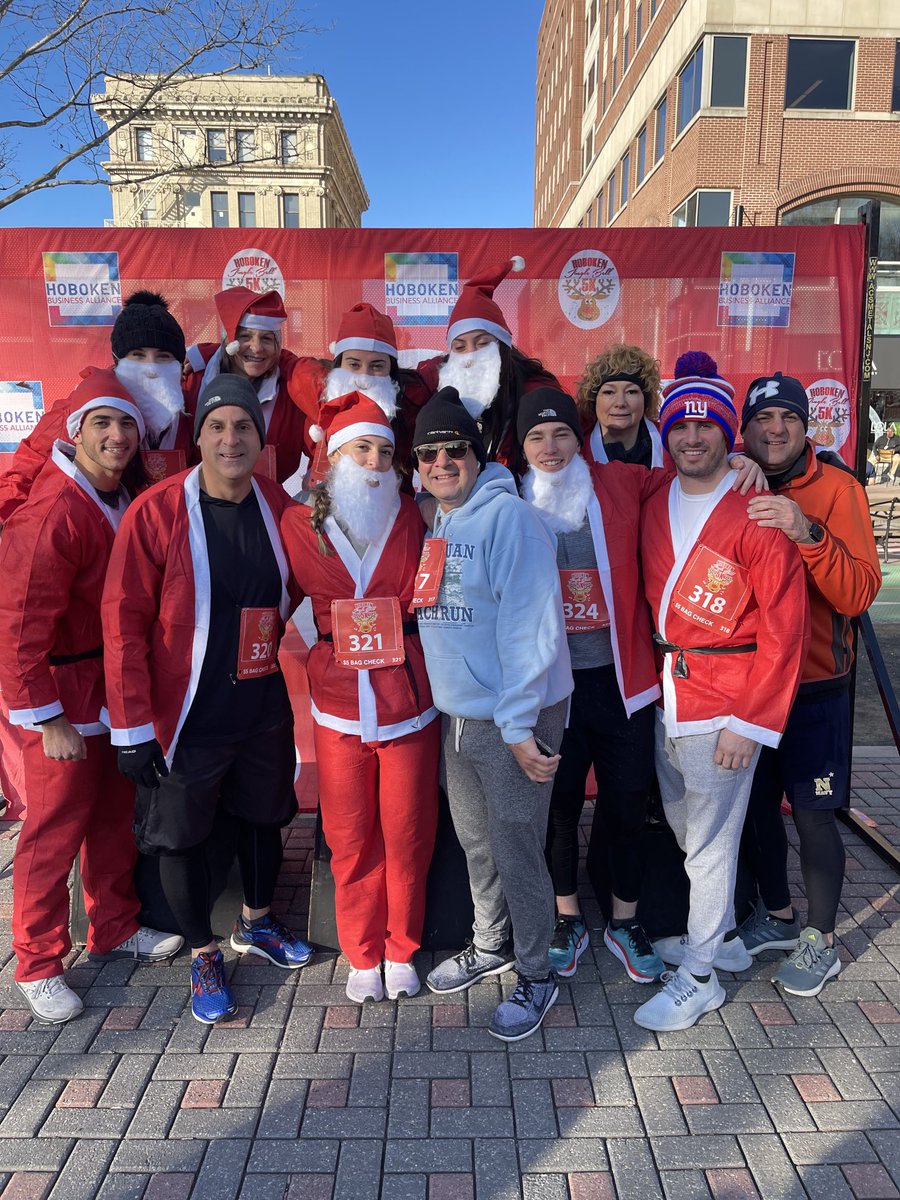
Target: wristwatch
815 535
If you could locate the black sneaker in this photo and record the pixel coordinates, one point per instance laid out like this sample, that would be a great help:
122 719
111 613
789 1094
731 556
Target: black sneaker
469 966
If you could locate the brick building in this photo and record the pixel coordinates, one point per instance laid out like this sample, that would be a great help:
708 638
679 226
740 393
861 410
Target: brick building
687 112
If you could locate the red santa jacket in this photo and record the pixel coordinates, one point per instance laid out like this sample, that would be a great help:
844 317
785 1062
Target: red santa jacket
732 583
156 605
53 558
283 398
376 705
34 450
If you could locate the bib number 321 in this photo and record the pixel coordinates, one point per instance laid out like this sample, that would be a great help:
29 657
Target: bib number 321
367 633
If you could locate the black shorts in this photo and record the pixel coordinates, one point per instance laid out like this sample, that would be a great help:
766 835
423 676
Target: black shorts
811 762
252 780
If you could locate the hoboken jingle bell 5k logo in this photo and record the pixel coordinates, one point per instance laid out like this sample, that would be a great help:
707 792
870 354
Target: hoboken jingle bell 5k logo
589 289
253 269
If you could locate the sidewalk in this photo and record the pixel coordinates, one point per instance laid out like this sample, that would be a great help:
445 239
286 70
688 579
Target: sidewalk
304 1096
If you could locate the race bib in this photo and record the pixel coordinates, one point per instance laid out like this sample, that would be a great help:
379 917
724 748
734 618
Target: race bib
583 605
258 644
160 464
711 590
266 464
367 633
429 573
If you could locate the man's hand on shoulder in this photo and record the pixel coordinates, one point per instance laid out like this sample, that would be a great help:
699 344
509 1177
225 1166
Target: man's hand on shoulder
62 741
733 751
778 512
748 474
538 767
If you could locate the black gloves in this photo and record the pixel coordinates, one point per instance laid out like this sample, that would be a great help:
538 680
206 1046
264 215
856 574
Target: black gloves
143 764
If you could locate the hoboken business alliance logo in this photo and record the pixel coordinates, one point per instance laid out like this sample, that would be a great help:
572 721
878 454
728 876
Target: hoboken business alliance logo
82 287
421 289
21 407
756 288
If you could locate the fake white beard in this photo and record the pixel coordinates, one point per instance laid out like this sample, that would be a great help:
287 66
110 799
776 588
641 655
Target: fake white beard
156 390
561 497
366 511
475 376
380 388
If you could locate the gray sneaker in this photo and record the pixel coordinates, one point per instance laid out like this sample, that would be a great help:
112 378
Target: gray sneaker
805 972
522 1013
471 964
761 931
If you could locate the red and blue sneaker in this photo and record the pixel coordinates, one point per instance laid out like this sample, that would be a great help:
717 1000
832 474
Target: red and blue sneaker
570 940
211 998
634 950
268 938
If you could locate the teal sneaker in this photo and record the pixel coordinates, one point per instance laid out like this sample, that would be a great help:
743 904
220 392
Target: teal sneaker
635 952
570 940
808 969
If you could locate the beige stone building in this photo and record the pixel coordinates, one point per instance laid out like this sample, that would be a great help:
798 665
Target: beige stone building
230 151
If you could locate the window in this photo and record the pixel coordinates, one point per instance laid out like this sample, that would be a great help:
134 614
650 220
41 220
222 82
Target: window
143 141
625 51
599 220
638 24
587 152
729 72
188 143
652 9
148 206
626 171
219 202
604 96
290 211
289 150
641 157
659 144
245 140
614 72
592 81
895 94
704 208
216 146
819 73
611 198
246 210
689 82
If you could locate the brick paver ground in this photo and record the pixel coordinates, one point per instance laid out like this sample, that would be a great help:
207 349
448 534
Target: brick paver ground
305 1097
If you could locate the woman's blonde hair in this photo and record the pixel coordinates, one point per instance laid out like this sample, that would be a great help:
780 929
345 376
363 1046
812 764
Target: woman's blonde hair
619 359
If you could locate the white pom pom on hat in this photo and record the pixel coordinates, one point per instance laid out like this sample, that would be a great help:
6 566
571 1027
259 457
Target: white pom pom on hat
316 433
232 347
518 262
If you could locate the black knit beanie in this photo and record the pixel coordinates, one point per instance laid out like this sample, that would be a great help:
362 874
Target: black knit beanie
230 389
547 404
445 419
146 321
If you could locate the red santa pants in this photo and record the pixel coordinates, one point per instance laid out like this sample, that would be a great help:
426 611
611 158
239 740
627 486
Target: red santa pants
72 805
379 814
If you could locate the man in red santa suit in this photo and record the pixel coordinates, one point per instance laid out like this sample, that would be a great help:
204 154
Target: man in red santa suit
53 558
354 548
728 600
484 366
148 351
252 348
195 600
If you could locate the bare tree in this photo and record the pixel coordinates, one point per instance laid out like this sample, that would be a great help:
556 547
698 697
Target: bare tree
53 53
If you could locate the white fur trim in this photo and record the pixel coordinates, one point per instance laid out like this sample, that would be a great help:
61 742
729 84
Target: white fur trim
360 429
73 421
471 323
357 343
518 262
250 320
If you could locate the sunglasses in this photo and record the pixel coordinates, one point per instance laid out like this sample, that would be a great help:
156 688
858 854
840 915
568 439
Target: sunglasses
454 450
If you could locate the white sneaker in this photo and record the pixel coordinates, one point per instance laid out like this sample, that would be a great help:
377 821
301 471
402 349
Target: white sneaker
51 1000
400 979
681 1002
365 985
146 945
732 955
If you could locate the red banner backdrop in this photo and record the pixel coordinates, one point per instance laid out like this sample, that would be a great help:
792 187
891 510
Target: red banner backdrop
758 300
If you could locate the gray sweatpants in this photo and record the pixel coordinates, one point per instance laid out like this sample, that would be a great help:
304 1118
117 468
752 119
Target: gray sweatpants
705 806
500 818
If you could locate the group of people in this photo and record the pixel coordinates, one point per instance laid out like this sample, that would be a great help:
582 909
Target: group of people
509 585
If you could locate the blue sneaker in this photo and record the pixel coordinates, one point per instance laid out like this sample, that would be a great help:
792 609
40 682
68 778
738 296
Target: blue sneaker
211 998
633 949
570 940
522 1013
268 938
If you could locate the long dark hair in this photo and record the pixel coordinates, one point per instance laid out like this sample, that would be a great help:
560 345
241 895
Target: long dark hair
498 423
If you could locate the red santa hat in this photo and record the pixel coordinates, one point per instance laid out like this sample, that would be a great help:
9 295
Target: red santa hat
241 308
348 417
476 307
101 389
365 328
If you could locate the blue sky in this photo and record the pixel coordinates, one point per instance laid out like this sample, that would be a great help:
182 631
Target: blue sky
438 102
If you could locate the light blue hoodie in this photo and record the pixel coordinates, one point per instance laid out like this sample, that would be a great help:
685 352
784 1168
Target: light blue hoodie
495 641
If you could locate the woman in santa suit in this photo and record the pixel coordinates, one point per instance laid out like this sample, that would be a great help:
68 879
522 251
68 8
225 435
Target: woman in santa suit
353 548
488 371
252 347
618 399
